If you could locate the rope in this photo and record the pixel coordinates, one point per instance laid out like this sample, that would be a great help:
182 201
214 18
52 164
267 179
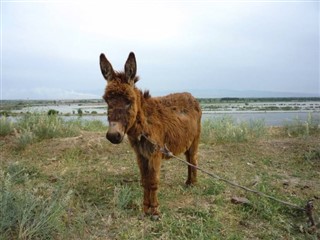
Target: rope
165 151
308 209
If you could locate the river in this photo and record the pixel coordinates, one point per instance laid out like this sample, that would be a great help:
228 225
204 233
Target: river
269 118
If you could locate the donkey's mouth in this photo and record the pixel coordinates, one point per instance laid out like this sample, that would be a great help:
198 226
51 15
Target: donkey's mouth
115 137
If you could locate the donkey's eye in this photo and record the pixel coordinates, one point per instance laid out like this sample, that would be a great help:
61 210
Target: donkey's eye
127 106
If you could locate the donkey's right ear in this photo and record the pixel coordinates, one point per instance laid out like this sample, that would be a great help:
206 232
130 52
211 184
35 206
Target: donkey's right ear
106 68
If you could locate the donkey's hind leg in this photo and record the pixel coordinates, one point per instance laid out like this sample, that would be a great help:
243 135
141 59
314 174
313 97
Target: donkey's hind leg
192 157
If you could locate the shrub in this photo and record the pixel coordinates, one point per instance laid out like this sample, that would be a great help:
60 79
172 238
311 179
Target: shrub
53 112
80 113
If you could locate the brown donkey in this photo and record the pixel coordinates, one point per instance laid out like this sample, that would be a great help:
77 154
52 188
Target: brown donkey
150 122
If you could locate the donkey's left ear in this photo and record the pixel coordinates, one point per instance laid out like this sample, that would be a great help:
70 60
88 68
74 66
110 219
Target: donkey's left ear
130 68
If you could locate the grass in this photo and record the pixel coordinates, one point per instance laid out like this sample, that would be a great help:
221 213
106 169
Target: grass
45 126
226 129
6 126
79 186
25 215
299 128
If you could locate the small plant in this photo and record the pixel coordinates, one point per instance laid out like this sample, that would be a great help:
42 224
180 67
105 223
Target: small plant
24 215
93 125
299 128
47 126
313 155
226 129
24 139
122 197
6 126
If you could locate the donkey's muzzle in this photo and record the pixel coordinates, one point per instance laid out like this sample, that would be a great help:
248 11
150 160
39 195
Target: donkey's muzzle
115 134
114 138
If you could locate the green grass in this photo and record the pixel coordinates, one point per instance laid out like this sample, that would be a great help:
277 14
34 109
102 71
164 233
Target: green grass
39 126
80 186
226 129
299 128
45 126
6 126
27 215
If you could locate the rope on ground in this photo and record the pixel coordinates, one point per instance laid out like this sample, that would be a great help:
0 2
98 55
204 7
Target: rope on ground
308 208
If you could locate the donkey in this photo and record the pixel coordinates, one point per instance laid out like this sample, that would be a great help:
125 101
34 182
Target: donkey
173 121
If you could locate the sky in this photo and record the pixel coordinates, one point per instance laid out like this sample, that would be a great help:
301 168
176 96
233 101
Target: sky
50 49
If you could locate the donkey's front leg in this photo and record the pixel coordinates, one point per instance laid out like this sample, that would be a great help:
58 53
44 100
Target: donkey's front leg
150 175
150 183
144 172
154 179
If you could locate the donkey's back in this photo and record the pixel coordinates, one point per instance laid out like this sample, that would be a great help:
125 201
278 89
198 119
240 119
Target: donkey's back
179 116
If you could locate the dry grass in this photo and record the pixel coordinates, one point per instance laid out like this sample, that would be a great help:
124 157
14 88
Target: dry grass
99 197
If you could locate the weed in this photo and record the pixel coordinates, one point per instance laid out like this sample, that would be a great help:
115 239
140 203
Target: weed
89 125
299 128
47 126
24 215
225 129
122 197
313 155
6 126
24 139
214 188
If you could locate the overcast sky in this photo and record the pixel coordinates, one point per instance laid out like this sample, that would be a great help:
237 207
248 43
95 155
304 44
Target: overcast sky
50 49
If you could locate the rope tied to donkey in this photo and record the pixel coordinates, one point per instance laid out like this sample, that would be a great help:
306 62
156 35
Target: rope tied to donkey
308 208
166 152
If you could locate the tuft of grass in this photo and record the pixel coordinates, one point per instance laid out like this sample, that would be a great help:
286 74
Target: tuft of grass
89 125
24 139
313 156
45 126
226 129
25 215
123 196
6 126
299 128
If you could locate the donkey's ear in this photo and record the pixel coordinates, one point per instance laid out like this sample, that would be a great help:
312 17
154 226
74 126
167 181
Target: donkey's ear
106 68
130 68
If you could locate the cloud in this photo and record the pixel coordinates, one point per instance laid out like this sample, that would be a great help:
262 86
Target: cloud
244 45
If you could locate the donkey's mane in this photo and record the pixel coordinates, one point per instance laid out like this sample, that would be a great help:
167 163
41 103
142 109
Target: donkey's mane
122 77
146 94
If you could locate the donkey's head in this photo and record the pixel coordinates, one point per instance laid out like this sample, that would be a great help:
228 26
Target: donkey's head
120 97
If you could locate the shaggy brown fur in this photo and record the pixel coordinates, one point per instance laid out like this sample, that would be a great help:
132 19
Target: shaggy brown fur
174 120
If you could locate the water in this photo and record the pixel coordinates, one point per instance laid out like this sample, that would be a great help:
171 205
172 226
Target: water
269 118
